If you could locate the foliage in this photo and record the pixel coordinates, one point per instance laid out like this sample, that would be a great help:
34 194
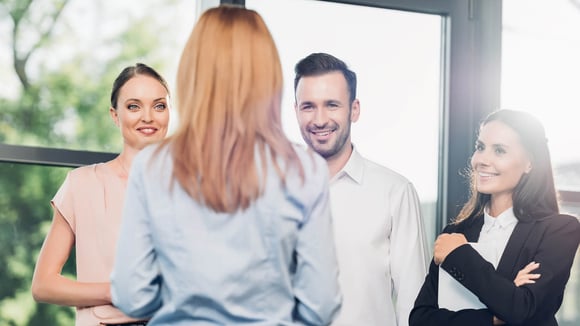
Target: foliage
24 220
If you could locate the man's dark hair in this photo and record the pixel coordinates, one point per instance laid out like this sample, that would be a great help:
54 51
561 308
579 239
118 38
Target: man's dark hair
321 63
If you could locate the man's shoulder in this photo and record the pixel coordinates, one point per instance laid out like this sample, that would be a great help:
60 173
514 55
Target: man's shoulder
381 173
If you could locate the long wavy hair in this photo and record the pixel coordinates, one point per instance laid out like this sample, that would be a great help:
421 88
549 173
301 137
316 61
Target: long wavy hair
229 89
535 194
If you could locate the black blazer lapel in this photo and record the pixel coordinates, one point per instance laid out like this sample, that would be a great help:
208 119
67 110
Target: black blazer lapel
471 228
513 251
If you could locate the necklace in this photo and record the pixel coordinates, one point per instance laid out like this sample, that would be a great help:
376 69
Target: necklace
122 164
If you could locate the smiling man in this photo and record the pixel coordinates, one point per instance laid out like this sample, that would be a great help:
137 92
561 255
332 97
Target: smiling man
379 235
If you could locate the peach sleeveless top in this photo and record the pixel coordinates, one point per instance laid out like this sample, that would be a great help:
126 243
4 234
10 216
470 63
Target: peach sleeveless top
91 201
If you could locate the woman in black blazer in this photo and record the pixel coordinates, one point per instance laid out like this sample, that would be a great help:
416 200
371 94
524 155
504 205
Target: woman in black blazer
511 175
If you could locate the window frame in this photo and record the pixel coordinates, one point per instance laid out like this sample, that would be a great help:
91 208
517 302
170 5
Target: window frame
470 79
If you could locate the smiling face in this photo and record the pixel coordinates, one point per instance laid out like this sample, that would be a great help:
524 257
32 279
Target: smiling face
142 111
499 162
325 113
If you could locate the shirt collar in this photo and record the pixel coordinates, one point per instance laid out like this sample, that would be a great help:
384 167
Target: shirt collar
354 168
503 220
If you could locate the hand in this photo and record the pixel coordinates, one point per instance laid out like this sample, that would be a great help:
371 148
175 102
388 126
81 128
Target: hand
524 275
446 243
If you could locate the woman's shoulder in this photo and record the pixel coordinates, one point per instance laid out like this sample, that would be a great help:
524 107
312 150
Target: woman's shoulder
86 172
560 220
315 175
463 225
78 181
152 153
310 160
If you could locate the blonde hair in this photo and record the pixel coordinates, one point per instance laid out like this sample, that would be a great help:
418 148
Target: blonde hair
229 87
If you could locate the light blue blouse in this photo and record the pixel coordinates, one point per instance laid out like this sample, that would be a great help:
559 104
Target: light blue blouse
182 263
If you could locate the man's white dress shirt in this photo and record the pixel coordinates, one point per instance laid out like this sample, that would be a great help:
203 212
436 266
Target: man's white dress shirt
380 243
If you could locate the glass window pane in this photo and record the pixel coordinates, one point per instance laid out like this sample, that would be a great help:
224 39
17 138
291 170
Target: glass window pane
59 95
541 74
396 56
25 216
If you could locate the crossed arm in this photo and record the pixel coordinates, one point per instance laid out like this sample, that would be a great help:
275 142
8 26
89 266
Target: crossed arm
555 250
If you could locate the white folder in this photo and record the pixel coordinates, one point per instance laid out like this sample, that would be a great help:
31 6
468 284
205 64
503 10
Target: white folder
453 295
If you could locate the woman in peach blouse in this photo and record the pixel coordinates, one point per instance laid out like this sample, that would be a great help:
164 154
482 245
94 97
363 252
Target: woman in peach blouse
88 206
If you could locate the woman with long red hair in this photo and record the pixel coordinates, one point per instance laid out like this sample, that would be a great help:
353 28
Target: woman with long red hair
227 222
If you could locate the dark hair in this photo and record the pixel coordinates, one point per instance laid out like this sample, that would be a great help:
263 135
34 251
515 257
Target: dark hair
535 194
130 72
322 63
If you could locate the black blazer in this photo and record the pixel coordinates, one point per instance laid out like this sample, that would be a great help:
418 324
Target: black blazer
551 241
